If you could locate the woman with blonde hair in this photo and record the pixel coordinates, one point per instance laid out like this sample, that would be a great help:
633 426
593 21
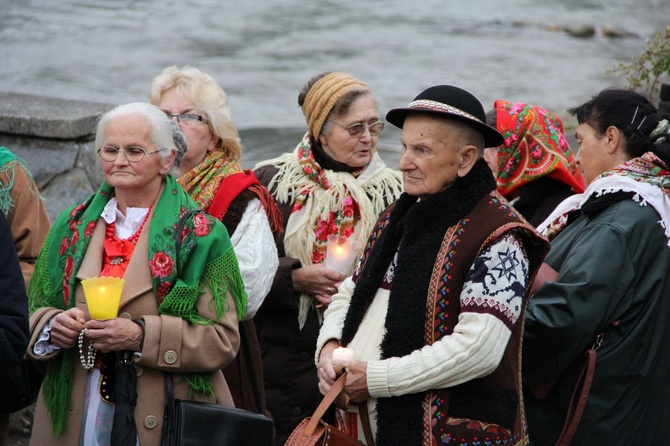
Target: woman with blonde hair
212 175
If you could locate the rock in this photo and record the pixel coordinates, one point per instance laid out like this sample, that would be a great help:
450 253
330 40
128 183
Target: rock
616 33
581 31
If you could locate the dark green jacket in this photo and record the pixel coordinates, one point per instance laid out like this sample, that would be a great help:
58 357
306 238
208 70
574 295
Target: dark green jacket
613 265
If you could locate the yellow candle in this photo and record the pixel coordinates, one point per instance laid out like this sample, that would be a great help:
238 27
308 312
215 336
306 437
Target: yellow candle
103 295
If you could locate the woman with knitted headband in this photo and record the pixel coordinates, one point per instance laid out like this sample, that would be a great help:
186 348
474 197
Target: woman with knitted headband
333 183
178 307
212 175
535 168
606 278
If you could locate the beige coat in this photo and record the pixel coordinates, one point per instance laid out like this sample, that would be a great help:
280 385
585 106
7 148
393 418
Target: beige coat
28 218
170 344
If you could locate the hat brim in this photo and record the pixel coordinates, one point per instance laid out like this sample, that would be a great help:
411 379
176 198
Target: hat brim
492 137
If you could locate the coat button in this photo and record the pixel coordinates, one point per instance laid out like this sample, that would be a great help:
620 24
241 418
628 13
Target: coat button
125 315
150 421
296 411
170 356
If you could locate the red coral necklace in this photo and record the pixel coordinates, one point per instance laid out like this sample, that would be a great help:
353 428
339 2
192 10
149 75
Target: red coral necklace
118 251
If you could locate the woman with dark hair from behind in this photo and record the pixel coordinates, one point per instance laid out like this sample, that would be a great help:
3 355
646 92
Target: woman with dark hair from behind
606 278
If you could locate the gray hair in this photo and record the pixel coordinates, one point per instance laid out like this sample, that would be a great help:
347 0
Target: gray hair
179 141
162 133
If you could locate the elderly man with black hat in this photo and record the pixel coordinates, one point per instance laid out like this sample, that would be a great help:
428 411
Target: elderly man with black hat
434 311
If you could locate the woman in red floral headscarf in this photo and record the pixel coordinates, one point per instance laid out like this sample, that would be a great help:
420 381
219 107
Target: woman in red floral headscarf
535 168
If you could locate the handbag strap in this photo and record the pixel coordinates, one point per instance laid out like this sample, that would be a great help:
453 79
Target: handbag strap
578 403
365 421
580 394
177 234
325 403
244 340
169 425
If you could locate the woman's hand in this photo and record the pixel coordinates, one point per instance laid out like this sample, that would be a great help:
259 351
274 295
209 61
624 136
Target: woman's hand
115 334
66 327
325 370
318 281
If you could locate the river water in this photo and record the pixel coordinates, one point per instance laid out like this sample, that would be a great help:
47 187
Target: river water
262 52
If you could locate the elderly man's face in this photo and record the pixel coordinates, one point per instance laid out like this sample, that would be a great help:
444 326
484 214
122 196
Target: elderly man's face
431 160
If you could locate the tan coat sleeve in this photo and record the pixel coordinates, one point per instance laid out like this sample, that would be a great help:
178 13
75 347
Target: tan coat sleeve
173 344
28 219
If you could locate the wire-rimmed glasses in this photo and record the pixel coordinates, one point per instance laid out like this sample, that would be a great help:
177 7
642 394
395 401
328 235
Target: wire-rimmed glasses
357 129
133 154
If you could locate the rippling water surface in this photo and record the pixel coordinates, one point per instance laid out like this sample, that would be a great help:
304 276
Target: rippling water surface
262 52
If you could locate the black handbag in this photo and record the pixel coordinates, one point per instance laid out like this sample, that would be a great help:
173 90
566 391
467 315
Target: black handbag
21 385
194 423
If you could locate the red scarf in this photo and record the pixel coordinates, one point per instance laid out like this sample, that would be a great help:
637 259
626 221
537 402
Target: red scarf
534 147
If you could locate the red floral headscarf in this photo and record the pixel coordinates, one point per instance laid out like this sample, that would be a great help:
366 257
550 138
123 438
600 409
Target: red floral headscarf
534 147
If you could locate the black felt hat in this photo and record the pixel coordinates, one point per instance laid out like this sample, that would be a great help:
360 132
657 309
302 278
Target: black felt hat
451 102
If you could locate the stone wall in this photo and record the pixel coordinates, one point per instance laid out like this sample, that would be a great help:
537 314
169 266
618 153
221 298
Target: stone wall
55 138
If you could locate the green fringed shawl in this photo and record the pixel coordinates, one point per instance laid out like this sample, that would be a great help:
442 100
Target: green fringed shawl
206 260
9 162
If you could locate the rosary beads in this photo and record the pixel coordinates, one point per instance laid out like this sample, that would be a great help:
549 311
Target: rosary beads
89 361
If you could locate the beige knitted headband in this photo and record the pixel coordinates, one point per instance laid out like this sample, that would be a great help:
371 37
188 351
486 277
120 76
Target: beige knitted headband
323 96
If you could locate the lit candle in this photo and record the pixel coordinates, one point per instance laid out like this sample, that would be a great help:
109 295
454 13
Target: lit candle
343 354
102 296
340 254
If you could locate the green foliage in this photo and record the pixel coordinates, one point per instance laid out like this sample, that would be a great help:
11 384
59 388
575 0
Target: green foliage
645 72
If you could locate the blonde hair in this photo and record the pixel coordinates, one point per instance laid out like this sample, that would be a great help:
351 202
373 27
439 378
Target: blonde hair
209 98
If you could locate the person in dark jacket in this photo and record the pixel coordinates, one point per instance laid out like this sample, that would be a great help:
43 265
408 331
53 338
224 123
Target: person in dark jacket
605 282
28 220
14 329
535 168
333 184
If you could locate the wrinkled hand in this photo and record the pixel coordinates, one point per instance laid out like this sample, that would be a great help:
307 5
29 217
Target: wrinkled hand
356 386
318 281
66 327
114 334
325 370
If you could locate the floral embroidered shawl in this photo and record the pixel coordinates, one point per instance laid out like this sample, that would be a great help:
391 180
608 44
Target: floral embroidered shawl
327 202
206 259
647 176
202 182
534 147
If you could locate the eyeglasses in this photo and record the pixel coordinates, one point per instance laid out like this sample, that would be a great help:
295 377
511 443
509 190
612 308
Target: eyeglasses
133 154
357 130
187 118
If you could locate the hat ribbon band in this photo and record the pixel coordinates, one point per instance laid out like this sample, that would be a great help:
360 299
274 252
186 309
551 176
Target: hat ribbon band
439 106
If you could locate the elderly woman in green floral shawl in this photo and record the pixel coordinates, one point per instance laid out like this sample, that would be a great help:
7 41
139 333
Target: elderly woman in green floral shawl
178 311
